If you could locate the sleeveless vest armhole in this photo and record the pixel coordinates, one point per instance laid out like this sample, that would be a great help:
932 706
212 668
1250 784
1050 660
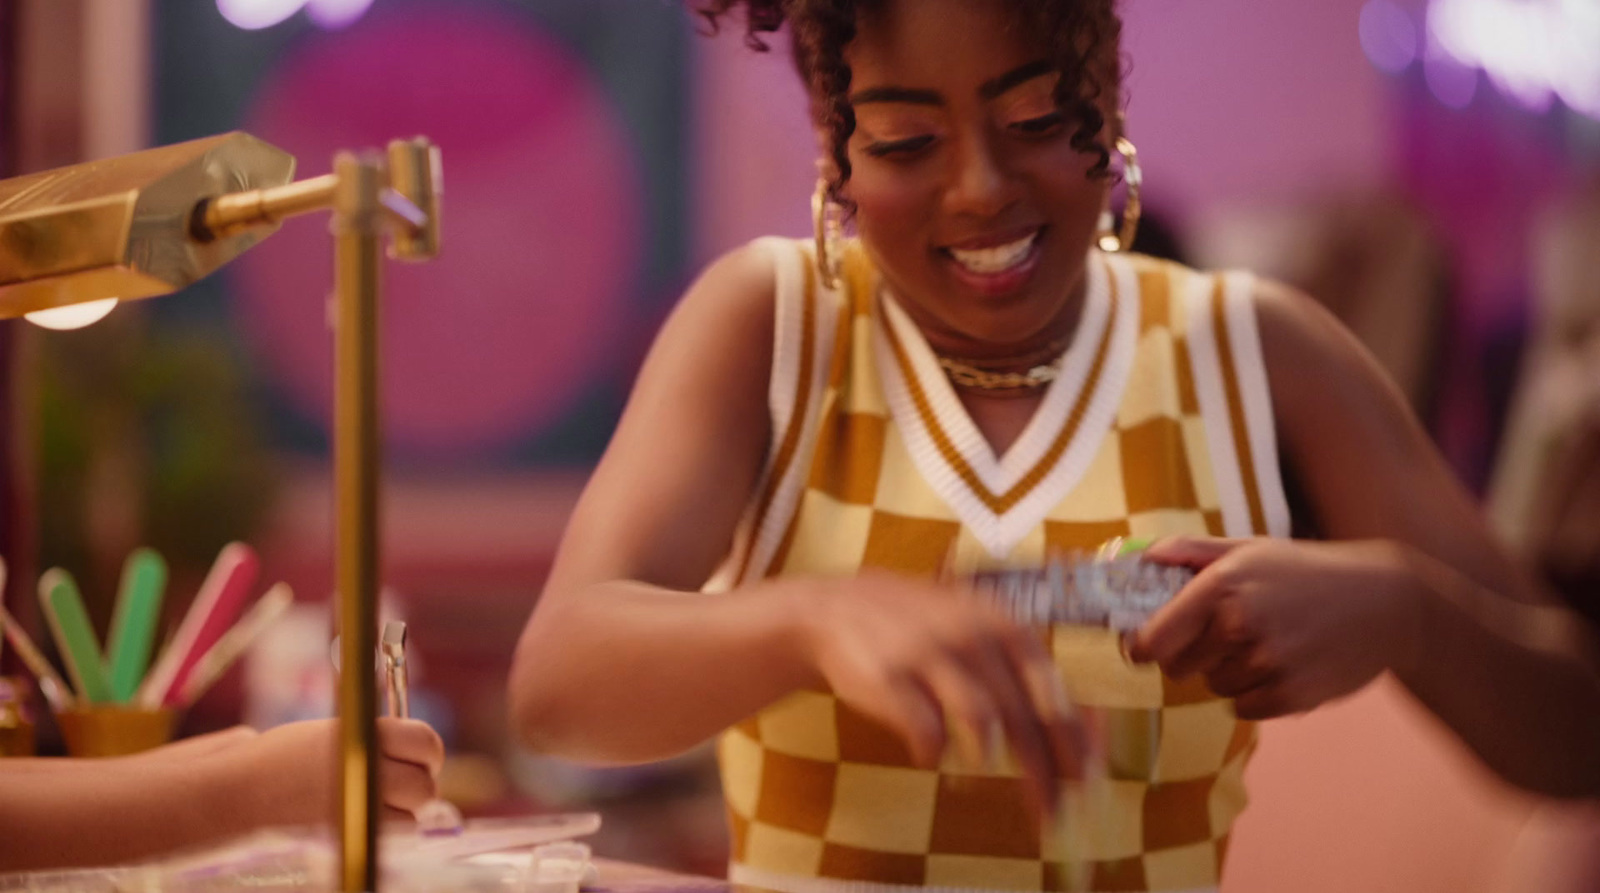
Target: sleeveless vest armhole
1235 402
804 318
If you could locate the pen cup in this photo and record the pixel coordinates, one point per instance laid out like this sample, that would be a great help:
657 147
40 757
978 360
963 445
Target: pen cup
16 731
108 730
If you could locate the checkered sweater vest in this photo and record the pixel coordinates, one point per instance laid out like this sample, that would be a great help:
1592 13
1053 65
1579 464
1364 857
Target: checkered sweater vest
1160 423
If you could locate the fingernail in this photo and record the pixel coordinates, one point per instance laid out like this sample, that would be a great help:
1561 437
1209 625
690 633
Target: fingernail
1128 645
994 750
969 750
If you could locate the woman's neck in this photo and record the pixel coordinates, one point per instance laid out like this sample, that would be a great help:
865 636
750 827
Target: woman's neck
1036 348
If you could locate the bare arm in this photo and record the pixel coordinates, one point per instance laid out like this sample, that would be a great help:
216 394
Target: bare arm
1516 677
615 670
1369 468
1430 595
66 812
623 661
82 812
1519 682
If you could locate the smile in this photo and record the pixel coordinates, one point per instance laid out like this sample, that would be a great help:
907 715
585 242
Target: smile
990 260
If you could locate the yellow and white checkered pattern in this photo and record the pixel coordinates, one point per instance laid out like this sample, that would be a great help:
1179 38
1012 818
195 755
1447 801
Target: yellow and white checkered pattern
822 798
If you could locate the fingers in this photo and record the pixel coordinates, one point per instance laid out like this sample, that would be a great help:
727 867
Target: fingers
1191 551
1178 625
1065 733
1061 724
1228 631
1009 682
974 714
412 757
1241 673
987 706
1262 703
916 716
406 786
411 741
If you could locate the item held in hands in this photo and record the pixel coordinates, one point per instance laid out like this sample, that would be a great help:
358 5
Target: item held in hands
393 648
1120 593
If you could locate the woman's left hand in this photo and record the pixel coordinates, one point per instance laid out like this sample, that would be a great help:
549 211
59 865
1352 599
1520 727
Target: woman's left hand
1283 626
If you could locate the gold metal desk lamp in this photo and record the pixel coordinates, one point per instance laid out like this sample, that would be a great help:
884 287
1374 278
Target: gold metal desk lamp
153 222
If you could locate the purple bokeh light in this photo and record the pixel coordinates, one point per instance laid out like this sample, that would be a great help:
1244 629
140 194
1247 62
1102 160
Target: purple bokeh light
1452 83
1388 36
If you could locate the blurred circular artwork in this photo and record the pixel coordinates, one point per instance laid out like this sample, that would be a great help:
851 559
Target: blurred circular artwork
542 218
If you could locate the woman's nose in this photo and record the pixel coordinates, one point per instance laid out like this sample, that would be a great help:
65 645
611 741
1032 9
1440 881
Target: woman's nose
981 185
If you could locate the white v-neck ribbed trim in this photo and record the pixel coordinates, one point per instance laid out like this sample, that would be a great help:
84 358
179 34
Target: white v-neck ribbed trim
1111 300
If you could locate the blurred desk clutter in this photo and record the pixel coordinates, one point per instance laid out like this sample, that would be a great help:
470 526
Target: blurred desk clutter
120 702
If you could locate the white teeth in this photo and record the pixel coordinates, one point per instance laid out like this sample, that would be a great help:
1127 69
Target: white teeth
987 261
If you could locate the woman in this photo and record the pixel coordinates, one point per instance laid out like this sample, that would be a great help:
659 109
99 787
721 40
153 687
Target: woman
970 383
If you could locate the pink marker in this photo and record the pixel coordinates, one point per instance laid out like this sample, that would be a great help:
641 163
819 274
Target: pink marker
219 603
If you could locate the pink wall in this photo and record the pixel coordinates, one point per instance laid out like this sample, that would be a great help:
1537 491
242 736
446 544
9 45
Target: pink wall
1231 101
754 151
1251 100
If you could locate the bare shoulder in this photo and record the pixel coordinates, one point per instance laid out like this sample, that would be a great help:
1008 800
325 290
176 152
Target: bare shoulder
736 293
1294 324
714 354
691 441
1313 362
717 342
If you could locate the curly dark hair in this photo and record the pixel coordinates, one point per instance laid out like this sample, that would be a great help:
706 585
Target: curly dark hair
1082 37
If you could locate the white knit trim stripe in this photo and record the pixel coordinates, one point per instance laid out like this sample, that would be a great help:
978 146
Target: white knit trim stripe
1000 533
791 295
1213 399
1250 368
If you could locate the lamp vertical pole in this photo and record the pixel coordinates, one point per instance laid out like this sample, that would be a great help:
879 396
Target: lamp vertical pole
356 225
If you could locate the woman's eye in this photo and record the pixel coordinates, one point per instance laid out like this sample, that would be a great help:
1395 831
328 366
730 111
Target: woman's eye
1038 126
899 148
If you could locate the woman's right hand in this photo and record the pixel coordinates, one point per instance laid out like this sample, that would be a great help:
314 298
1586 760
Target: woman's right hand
937 667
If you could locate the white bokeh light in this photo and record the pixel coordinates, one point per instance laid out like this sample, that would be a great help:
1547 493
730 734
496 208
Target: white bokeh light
253 15
1531 50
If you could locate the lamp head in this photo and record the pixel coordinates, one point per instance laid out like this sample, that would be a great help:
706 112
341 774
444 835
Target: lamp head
121 228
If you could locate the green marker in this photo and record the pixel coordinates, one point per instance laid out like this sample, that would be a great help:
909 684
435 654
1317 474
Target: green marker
133 623
80 650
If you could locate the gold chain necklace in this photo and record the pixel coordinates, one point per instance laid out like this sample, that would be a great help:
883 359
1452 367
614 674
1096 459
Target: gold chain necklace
1043 367
965 376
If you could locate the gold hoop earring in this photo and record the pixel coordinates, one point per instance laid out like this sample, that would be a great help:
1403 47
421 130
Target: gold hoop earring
828 219
1120 238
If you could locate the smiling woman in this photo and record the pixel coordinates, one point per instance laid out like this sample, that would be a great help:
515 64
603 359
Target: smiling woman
829 432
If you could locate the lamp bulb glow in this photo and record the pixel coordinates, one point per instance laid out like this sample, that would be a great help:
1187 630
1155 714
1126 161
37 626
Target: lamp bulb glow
72 316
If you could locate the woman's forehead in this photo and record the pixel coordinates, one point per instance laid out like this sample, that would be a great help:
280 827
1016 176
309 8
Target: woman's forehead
947 41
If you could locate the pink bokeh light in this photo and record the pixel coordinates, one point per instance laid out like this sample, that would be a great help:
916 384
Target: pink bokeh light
541 215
